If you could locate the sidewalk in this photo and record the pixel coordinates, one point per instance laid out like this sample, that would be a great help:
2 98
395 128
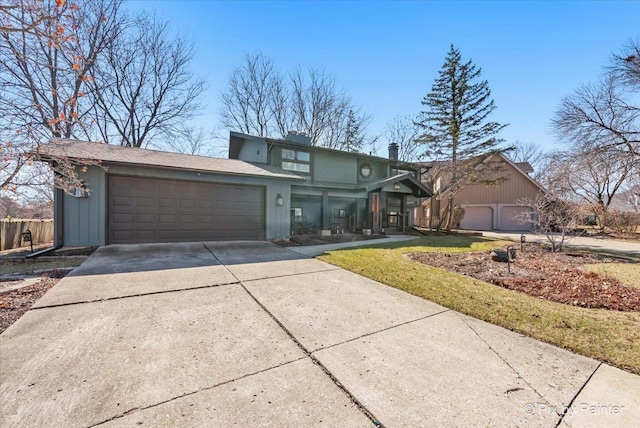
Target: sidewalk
316 250
623 247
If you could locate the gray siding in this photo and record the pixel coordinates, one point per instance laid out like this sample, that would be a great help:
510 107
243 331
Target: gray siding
278 220
330 168
254 151
311 208
85 218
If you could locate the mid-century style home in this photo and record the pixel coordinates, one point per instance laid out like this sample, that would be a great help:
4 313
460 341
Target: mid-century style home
486 207
267 189
341 190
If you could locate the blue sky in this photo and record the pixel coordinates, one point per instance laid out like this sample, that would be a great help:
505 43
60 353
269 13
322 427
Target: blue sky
387 54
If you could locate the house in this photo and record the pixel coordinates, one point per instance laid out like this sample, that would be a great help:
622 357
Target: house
626 201
264 191
341 190
485 206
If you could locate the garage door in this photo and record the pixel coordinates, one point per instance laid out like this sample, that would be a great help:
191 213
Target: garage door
155 210
511 218
477 218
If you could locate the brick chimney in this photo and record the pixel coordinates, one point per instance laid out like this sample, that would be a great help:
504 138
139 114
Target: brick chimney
393 151
298 137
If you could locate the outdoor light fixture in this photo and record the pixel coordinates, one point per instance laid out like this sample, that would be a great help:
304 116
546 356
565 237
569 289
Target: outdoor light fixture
279 200
82 191
396 186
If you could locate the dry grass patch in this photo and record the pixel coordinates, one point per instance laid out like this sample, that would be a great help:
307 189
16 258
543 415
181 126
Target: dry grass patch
31 266
606 335
628 274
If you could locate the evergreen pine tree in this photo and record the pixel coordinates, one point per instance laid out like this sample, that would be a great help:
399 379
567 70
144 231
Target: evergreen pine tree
455 129
354 139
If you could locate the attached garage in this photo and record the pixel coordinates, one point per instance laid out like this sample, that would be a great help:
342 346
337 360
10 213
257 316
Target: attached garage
159 210
477 218
511 218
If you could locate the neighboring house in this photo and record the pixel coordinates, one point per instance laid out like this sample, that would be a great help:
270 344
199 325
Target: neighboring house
626 201
267 187
486 207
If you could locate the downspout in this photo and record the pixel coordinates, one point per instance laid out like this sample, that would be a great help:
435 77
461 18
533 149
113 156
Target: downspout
58 222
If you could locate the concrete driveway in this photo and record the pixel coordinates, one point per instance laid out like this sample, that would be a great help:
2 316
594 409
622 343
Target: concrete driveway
251 334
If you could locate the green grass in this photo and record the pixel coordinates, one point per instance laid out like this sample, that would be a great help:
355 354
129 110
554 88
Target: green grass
610 336
29 267
627 273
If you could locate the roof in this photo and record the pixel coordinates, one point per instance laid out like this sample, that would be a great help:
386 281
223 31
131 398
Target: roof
419 189
524 166
111 154
299 146
627 201
520 167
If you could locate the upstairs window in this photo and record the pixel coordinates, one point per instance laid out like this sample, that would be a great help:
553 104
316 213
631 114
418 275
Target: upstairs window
296 160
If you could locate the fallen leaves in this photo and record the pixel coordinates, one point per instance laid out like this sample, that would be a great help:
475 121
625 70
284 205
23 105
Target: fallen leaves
540 273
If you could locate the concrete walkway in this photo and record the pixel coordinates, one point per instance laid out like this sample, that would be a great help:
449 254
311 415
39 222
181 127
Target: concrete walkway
316 250
252 334
598 244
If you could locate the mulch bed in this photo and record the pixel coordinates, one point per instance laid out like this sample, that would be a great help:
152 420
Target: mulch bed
15 303
538 272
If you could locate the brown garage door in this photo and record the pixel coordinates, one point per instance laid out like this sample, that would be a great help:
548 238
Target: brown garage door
155 210
477 218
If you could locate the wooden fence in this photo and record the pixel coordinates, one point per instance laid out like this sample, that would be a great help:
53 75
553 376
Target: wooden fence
11 232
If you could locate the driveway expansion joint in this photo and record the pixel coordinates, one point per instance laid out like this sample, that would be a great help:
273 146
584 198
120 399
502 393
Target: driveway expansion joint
565 410
151 293
187 394
381 330
375 421
505 361
293 274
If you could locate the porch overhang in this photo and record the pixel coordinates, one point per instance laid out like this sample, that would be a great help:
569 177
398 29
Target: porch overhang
418 189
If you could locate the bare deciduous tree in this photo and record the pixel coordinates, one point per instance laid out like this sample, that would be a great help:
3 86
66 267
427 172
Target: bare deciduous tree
625 66
527 152
600 124
253 96
631 190
595 178
44 76
12 15
404 132
599 114
553 217
192 141
85 70
262 101
143 86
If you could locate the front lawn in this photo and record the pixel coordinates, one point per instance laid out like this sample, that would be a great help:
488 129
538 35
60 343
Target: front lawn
31 266
606 335
628 274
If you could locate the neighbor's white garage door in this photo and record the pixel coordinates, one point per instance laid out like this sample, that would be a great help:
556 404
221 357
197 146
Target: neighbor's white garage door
511 218
477 218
